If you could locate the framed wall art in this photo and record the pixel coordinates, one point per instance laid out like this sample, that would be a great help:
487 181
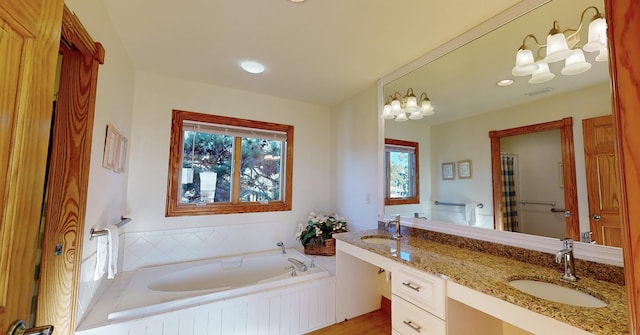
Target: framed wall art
121 154
110 147
464 169
448 171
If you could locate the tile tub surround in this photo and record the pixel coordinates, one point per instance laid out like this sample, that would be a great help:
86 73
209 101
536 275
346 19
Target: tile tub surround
490 274
600 271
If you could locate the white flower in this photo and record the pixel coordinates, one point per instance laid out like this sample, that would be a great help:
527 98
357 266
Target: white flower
299 230
318 232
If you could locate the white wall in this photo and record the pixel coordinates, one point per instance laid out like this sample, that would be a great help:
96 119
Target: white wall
114 103
155 98
355 144
539 179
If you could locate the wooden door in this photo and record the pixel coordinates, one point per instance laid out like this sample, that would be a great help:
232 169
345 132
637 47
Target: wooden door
602 180
29 43
68 178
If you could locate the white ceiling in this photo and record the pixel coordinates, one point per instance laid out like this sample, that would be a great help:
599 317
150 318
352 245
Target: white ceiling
318 51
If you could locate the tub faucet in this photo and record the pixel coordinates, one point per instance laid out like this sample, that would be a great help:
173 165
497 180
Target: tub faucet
298 265
281 245
566 254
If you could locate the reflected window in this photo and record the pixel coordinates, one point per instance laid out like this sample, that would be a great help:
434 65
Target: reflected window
226 165
402 178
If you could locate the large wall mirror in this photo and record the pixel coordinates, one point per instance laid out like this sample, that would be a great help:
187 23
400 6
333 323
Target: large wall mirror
469 104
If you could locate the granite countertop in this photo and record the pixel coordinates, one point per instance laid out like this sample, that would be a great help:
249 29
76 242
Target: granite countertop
490 274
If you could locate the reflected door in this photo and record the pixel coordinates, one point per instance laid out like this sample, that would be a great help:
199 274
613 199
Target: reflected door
602 180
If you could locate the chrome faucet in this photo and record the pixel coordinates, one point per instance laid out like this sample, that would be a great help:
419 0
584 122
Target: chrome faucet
566 254
281 245
397 222
298 265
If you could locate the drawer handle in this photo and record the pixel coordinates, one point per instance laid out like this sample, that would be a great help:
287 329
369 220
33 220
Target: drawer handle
412 286
412 325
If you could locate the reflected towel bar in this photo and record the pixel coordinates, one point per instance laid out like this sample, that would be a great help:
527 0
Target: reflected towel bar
548 203
439 203
95 233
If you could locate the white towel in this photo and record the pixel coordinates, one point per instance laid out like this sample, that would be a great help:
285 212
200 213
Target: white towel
101 256
107 253
470 213
112 251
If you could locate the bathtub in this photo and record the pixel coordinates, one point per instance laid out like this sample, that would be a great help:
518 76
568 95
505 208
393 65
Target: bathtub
171 287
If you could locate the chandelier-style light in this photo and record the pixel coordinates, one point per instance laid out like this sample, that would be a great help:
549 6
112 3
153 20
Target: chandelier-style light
403 108
561 45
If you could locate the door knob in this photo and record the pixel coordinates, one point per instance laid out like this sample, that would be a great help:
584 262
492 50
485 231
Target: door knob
20 328
596 217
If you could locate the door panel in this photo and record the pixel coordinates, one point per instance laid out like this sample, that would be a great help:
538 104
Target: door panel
602 180
29 42
11 47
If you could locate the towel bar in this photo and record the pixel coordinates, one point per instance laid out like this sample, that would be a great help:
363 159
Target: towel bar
96 233
547 203
479 205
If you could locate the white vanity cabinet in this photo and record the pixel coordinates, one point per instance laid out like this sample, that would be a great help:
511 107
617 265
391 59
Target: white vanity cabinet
418 302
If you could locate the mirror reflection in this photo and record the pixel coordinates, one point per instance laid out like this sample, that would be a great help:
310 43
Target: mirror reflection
470 100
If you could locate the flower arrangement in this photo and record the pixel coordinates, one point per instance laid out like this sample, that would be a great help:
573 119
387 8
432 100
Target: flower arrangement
320 228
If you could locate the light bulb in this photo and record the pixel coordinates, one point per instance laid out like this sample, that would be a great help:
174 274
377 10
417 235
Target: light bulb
524 63
542 74
557 48
597 35
575 63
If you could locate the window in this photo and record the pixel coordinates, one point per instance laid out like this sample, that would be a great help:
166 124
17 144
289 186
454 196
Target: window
402 177
221 165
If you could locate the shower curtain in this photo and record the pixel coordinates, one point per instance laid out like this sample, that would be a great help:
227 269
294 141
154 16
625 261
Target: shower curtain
509 200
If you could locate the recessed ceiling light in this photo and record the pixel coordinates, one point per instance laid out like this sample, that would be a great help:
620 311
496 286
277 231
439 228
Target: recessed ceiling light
504 82
297 1
252 67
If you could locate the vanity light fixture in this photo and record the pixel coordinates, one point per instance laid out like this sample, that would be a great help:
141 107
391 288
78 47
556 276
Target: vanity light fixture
561 45
403 108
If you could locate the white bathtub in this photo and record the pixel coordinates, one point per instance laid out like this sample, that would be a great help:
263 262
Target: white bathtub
172 287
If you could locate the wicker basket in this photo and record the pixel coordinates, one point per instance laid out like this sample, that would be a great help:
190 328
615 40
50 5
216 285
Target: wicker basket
327 248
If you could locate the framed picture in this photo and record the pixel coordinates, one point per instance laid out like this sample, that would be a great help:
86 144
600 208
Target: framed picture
464 169
448 171
110 147
121 154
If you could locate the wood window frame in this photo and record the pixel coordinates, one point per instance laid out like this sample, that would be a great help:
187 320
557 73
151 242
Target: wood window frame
415 199
174 208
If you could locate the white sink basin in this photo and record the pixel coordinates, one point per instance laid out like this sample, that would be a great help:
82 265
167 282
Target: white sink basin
378 239
557 293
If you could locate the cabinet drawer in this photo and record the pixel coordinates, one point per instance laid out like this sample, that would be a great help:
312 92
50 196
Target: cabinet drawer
423 290
408 319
